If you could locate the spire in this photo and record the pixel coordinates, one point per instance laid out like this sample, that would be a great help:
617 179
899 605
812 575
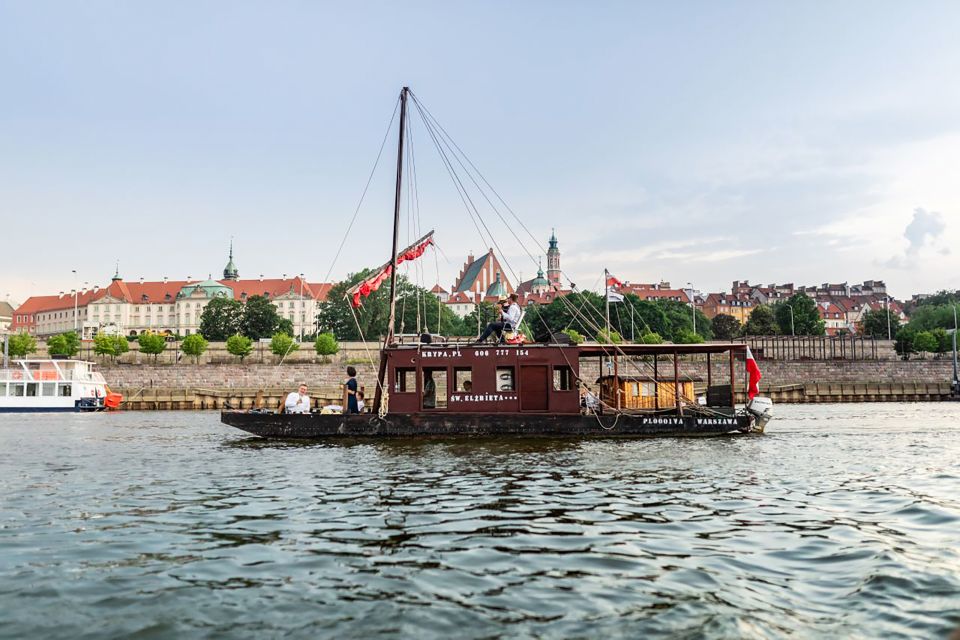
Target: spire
116 274
230 272
553 240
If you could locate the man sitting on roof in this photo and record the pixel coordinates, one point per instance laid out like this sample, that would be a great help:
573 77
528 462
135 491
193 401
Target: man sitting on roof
510 313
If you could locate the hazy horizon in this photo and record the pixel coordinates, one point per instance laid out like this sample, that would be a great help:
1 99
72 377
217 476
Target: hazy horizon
695 142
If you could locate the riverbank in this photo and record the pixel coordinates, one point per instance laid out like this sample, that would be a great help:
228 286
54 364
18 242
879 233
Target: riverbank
214 386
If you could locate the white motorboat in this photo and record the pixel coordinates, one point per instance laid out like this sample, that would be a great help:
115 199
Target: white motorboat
54 385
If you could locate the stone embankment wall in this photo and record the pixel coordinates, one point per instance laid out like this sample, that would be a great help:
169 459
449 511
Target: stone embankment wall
213 386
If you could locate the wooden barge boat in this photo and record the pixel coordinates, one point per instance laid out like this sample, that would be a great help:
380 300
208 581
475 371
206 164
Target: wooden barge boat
522 389
532 390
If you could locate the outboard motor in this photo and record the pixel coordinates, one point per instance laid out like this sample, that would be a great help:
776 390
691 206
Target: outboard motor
762 410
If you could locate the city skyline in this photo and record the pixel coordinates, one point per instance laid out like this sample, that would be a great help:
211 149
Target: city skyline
697 144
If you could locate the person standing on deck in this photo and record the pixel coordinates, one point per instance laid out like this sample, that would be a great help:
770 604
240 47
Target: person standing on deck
297 401
429 391
351 389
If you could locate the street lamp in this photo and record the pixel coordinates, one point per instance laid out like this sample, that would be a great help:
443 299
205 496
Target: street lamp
956 380
886 306
76 292
302 306
792 330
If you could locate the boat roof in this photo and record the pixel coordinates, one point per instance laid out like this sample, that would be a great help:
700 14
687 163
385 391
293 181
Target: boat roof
591 349
659 349
650 378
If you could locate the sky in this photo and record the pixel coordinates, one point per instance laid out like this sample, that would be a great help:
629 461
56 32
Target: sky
698 142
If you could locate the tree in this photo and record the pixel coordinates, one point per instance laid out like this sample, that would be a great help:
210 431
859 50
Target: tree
194 345
22 344
260 318
240 346
152 344
874 323
66 344
575 336
803 321
110 345
326 345
221 318
611 337
944 341
725 327
651 338
761 322
282 344
903 344
687 337
924 342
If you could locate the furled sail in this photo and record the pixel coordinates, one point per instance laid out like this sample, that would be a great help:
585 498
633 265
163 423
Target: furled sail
371 283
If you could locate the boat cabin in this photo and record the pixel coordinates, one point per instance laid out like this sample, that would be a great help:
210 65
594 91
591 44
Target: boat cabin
546 378
51 378
647 392
486 379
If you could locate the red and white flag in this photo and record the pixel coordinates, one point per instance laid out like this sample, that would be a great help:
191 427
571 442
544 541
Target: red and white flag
754 371
612 281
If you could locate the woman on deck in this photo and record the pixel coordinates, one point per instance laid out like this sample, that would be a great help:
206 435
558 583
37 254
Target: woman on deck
351 388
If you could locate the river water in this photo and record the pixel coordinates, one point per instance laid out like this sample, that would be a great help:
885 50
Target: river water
842 521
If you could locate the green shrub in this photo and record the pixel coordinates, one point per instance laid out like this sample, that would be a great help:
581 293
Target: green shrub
240 346
326 345
66 344
152 344
194 345
575 336
282 344
21 344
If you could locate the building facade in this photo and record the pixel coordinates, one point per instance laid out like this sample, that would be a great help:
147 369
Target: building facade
166 306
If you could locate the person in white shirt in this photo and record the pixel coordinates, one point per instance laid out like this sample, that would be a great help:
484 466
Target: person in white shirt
510 313
297 401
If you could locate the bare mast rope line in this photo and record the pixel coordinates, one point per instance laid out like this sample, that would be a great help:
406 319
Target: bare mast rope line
450 144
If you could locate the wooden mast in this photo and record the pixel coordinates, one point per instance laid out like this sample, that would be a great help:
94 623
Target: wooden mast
393 255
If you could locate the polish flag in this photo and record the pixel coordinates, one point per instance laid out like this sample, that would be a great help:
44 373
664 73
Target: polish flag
612 281
754 371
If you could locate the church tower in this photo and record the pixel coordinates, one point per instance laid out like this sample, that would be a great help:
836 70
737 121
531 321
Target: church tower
230 271
553 260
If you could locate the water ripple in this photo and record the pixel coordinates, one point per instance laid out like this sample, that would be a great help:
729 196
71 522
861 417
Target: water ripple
841 522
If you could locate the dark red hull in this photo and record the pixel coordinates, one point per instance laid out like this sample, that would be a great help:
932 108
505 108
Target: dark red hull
316 426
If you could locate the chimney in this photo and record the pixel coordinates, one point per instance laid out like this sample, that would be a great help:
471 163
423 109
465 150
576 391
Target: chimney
141 279
164 279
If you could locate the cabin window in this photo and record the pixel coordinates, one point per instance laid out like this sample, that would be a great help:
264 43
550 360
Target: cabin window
463 379
506 379
48 389
16 390
3 389
404 381
434 388
31 389
562 379
65 391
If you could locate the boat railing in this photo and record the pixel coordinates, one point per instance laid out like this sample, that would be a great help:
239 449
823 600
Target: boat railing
50 375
